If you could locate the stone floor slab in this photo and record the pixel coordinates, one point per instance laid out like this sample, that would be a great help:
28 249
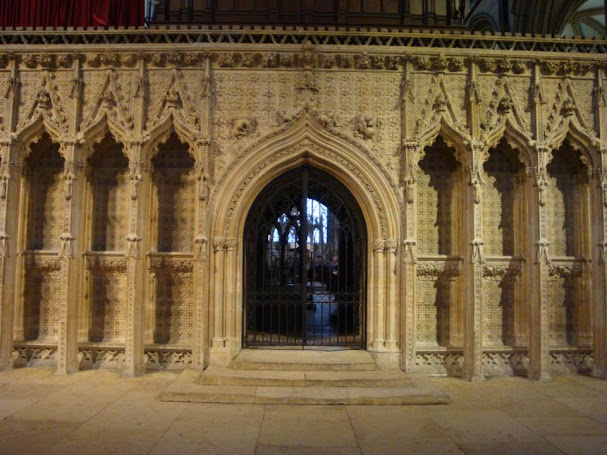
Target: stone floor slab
95 440
10 407
593 407
580 445
213 429
391 422
510 448
302 450
549 425
410 447
563 386
306 426
139 410
26 437
483 426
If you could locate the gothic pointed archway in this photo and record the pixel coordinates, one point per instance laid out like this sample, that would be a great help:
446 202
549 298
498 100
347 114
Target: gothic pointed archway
303 142
304 264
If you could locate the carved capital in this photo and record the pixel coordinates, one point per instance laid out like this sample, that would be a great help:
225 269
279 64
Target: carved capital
230 244
218 244
391 246
378 246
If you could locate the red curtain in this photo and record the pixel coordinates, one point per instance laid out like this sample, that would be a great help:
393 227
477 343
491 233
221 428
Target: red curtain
71 13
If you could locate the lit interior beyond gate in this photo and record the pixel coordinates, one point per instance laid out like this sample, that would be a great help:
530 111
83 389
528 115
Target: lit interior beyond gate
305 246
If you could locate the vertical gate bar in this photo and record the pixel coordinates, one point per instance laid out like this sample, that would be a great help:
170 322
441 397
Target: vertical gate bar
304 251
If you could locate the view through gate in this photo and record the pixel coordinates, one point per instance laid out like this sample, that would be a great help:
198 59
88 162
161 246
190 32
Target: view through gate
305 247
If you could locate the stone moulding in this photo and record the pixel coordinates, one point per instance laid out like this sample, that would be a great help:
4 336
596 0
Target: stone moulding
168 358
371 37
25 354
99 357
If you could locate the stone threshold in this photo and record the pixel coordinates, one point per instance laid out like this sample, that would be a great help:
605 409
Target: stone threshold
306 377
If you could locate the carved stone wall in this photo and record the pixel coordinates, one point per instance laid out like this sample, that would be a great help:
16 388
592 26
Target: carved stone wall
45 169
175 185
478 162
567 208
109 177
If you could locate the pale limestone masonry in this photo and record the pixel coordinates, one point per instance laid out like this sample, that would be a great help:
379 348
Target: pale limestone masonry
130 158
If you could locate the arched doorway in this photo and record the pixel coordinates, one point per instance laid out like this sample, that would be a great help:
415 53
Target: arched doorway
305 264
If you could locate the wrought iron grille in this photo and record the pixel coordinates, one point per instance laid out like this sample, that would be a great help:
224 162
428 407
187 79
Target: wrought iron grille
305 264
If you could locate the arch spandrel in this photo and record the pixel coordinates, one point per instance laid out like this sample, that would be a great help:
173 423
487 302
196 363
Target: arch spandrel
452 135
104 125
580 139
33 131
305 141
515 137
160 132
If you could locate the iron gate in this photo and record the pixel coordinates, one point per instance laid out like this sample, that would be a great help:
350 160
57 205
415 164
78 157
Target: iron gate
305 264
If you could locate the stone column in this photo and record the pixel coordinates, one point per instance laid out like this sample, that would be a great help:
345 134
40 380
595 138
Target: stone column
473 306
10 185
201 270
200 349
218 342
379 295
9 217
391 296
409 180
539 356
230 293
599 368
71 259
599 228
140 192
201 327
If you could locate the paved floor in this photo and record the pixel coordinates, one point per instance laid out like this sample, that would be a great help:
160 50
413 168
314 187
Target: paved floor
97 412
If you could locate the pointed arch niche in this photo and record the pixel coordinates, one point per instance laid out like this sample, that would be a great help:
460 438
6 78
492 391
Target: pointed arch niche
106 229
504 210
439 233
41 211
170 319
568 231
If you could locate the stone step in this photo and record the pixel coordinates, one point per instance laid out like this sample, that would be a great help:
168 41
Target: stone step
303 360
188 389
376 378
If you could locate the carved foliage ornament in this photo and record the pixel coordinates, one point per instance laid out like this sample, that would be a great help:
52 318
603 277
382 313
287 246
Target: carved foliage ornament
448 269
